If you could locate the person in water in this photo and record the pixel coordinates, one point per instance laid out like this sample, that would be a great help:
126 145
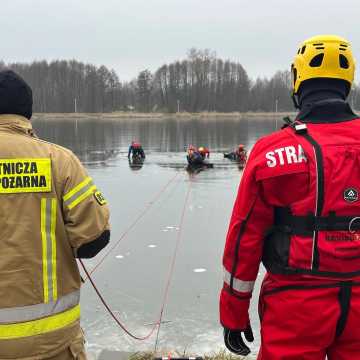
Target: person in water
136 150
239 154
194 157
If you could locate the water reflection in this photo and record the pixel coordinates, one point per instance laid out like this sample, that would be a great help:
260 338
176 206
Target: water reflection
196 169
86 137
97 157
135 163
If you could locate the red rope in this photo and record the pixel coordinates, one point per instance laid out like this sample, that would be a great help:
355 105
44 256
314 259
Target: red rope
132 225
167 287
111 312
172 266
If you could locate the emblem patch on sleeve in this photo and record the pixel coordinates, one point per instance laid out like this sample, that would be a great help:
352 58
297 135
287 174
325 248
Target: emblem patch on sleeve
100 198
351 195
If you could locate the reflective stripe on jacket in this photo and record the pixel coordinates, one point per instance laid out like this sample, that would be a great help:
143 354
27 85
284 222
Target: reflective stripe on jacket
50 207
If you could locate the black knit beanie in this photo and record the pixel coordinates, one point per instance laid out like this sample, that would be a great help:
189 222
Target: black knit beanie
15 95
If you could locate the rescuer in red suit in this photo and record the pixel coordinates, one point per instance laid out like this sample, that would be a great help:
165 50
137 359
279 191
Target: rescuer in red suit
298 212
241 153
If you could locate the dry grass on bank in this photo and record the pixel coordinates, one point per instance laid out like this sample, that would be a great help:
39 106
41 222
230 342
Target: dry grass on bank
222 355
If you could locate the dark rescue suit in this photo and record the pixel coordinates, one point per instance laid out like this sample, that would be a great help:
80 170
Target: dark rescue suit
298 211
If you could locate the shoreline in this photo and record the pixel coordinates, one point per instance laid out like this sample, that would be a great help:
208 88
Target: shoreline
148 355
161 116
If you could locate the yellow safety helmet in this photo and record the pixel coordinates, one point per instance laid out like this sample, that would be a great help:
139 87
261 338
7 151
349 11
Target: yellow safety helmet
323 56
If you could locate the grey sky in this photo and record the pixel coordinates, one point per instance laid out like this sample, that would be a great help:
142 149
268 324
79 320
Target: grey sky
130 35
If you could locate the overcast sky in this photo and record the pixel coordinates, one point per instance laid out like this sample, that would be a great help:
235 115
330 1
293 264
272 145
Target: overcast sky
131 35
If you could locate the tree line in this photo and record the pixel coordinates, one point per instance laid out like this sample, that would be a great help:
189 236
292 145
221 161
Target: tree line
200 82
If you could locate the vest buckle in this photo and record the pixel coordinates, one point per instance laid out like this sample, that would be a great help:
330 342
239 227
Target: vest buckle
351 223
300 128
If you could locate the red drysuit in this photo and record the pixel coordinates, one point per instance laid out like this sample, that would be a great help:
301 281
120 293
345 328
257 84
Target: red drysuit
298 211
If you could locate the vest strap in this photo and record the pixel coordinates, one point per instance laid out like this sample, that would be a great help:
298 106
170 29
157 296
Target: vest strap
285 221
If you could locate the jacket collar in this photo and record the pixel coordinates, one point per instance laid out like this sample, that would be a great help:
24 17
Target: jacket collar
330 110
17 123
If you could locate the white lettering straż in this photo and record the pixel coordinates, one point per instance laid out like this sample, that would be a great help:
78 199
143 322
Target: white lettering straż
285 155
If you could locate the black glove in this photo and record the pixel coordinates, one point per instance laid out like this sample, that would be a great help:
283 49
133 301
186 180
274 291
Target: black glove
234 341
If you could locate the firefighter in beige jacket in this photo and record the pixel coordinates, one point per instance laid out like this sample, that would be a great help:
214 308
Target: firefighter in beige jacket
51 213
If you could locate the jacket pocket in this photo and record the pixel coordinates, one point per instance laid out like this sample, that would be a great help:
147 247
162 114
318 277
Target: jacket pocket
18 288
276 251
77 349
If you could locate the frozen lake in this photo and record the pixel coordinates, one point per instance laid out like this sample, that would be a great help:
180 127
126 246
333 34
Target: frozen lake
133 276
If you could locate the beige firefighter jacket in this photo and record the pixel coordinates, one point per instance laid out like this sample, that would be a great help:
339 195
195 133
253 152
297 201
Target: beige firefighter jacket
49 207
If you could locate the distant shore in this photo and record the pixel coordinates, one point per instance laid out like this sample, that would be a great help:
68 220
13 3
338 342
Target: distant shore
183 115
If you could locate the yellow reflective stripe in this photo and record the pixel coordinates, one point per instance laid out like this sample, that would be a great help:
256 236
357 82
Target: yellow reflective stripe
77 188
41 326
53 245
83 196
44 250
48 239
